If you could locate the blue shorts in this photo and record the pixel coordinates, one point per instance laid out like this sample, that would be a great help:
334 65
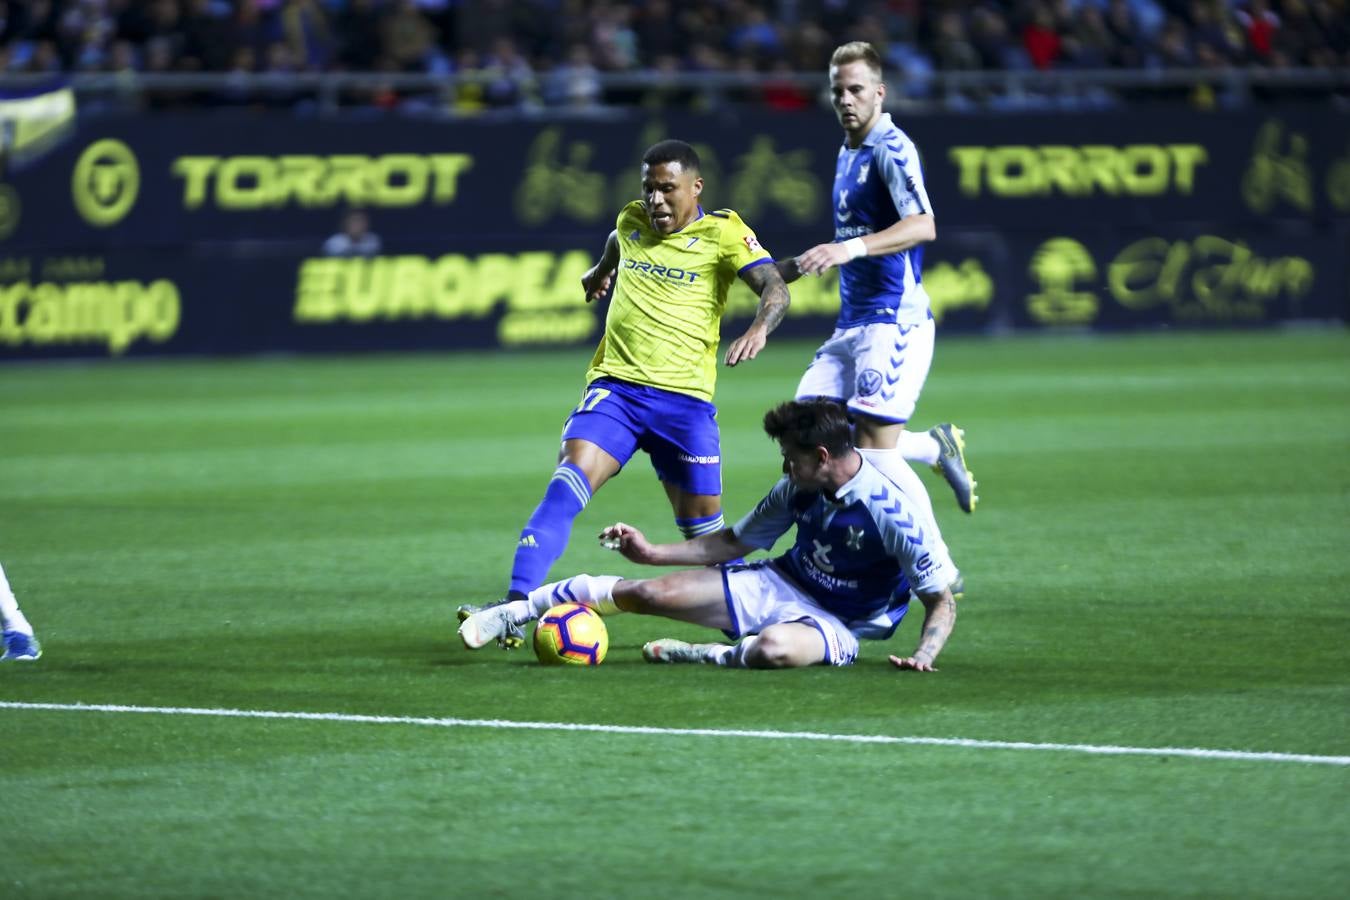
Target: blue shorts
677 431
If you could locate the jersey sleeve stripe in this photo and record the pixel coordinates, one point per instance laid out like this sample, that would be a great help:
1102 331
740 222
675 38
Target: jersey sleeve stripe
751 265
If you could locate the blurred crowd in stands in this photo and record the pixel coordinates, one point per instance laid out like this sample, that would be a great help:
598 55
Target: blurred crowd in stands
552 52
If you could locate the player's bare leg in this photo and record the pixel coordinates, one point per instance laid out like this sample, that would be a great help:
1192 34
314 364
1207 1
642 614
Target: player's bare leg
784 646
697 596
696 514
691 506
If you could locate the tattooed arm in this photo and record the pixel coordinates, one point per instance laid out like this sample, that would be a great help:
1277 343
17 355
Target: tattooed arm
789 269
938 620
765 281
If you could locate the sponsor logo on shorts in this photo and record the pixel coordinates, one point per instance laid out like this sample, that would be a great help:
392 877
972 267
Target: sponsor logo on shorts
869 382
700 460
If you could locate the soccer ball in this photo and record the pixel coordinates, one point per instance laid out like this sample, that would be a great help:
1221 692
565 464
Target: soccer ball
571 634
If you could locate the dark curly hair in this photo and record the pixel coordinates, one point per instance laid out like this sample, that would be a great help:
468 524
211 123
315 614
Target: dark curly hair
811 423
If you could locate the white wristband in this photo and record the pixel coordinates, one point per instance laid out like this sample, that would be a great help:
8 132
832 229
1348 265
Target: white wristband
855 248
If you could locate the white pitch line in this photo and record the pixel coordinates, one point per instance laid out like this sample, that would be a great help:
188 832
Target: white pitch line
1097 749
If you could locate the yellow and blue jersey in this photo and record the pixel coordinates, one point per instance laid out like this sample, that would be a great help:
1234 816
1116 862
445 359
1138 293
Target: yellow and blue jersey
663 325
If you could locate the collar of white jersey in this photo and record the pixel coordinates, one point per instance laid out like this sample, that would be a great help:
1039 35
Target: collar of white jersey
851 490
874 136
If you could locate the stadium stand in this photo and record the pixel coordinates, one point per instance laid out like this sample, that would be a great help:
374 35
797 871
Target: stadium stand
470 56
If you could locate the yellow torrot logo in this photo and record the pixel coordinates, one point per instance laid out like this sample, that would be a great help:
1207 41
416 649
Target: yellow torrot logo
1137 170
266 182
105 182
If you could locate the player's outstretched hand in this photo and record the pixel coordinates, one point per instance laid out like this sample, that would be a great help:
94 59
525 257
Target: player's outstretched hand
596 285
822 257
747 346
628 541
912 663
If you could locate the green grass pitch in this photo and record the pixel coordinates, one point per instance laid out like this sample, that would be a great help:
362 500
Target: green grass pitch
1158 561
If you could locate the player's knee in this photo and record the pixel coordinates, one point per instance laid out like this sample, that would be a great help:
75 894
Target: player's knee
646 596
701 506
870 433
776 649
694 506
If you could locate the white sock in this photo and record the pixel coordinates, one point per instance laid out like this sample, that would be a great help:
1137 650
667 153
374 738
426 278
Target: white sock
11 617
890 464
595 591
919 446
733 657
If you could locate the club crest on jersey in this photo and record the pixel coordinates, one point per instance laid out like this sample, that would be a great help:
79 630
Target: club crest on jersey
869 382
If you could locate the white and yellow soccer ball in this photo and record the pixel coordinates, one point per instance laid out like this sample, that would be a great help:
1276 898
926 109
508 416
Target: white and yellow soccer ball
571 634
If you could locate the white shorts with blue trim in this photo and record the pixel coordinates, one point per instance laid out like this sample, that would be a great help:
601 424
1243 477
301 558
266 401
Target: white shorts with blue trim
879 370
759 596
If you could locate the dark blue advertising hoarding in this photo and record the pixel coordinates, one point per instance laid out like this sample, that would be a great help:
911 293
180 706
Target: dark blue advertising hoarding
191 233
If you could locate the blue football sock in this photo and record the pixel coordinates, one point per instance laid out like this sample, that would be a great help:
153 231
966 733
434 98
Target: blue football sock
545 535
692 528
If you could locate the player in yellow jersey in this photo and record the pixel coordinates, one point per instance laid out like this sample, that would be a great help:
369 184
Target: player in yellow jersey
650 384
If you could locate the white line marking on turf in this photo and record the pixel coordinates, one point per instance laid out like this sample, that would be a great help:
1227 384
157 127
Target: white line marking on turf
1100 750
